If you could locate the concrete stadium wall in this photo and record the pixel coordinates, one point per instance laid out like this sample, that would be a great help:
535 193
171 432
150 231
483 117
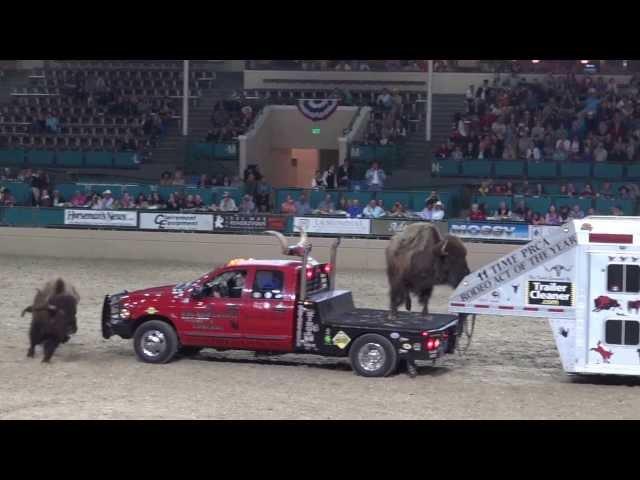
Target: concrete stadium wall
353 254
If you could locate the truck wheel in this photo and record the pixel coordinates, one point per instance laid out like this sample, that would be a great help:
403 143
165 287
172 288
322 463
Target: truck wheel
189 351
373 356
155 341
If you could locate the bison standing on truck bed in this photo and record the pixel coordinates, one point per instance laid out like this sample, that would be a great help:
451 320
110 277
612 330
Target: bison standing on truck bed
418 259
53 317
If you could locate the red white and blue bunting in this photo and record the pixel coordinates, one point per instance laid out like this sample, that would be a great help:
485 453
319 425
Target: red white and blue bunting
317 110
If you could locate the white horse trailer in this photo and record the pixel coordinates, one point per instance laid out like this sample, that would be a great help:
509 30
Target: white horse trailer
585 279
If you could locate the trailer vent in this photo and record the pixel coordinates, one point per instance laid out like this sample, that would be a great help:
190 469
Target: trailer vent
610 238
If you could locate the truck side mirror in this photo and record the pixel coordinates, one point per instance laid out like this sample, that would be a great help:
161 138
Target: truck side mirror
198 293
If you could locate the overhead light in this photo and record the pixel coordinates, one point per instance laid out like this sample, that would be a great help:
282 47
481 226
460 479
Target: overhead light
535 61
584 62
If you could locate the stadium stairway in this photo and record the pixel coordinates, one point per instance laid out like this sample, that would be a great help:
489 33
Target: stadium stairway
444 107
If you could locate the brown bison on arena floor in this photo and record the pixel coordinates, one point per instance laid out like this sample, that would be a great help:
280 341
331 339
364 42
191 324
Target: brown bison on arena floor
418 259
53 317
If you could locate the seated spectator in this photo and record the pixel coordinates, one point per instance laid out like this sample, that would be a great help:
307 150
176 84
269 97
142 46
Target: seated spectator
6 198
587 191
155 202
126 201
247 205
372 210
591 211
616 211
563 190
204 182
539 190
198 203
552 217
188 202
624 193
57 200
302 205
172 202
485 188
438 211
288 207
520 211
398 210
45 199
571 190
354 209
605 191
178 178
537 219
327 206
427 212
95 203
564 213
343 206
165 179
141 201
317 182
576 213
107 200
476 214
79 199
227 204
53 123
375 177
503 211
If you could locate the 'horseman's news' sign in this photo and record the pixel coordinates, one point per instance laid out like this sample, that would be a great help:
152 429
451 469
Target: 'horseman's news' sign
101 218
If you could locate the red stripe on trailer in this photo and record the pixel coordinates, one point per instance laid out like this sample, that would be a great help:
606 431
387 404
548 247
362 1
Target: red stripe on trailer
458 304
556 309
481 306
610 238
506 307
533 309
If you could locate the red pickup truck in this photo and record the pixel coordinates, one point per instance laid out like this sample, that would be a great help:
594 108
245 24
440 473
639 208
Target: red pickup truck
274 307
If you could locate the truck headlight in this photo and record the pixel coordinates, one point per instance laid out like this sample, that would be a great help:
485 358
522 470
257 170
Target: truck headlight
124 313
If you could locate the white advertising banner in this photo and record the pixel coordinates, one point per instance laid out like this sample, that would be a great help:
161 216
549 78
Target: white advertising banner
344 226
102 218
176 221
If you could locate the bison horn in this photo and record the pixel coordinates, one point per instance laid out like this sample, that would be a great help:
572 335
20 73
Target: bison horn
29 309
281 239
443 250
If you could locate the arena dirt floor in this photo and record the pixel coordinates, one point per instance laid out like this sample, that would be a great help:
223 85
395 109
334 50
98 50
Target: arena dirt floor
512 370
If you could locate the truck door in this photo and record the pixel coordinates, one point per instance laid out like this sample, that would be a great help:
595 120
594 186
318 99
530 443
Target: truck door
267 322
613 330
214 319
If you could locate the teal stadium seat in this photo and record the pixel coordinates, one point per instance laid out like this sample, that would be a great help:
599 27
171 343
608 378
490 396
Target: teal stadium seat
476 168
610 171
562 200
98 159
575 170
538 204
603 206
542 170
633 171
448 168
12 158
492 202
509 168
40 158
70 159
124 160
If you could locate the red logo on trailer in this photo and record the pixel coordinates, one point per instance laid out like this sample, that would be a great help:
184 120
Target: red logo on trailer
605 303
606 354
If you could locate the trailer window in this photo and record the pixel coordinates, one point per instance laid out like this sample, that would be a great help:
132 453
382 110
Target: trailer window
623 278
622 332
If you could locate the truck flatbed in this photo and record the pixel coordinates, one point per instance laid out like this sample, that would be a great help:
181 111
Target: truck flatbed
368 317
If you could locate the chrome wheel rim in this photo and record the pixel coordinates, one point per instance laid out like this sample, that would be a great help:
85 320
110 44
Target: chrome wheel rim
153 343
372 357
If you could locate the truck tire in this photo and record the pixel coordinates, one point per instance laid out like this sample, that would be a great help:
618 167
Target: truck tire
155 341
189 351
373 355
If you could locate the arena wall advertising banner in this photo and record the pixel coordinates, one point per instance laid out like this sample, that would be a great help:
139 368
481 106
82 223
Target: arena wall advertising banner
489 231
388 227
329 225
234 222
101 218
176 221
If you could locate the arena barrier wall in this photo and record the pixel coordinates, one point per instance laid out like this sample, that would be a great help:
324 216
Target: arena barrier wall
211 249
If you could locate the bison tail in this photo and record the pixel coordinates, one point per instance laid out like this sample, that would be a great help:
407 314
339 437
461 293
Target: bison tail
407 302
59 287
27 310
